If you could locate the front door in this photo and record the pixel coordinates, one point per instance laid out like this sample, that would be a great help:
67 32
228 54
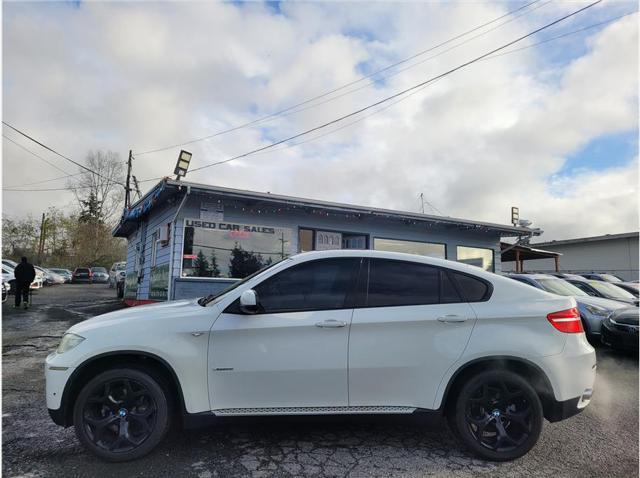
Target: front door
293 353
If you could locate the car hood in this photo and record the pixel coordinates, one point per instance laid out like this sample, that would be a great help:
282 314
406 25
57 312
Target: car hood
149 313
601 302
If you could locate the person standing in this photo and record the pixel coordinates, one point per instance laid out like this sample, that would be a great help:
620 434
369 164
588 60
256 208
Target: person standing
24 273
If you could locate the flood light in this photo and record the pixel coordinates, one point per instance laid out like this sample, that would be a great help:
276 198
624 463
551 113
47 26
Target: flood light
184 158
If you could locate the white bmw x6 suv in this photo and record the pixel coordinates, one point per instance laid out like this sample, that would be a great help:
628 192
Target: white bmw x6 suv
336 332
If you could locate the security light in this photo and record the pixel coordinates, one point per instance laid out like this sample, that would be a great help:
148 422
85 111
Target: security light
184 158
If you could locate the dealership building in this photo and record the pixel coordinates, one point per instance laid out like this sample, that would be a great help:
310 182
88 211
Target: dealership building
188 240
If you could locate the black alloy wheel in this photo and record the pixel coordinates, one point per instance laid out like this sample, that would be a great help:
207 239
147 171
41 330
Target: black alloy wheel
121 414
498 415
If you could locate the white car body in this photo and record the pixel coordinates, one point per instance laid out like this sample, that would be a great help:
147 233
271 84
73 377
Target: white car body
383 360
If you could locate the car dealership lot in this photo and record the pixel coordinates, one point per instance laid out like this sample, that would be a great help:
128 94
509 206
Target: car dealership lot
602 440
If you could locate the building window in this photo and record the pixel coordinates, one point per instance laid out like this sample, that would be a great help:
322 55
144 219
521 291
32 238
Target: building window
154 248
224 249
410 247
476 256
305 240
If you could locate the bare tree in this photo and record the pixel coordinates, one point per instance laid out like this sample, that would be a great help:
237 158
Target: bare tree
103 187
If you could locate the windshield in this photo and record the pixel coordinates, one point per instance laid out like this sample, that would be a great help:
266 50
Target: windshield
610 290
121 267
560 287
610 278
211 297
98 269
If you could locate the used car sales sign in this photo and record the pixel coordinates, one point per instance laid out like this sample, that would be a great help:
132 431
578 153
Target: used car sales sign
226 226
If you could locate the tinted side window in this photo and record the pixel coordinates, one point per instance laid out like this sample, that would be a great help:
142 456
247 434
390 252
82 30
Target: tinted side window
472 289
315 285
448 292
395 283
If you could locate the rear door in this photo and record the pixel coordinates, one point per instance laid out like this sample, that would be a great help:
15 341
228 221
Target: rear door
410 326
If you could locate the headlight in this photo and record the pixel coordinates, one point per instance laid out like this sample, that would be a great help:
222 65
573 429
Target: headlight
68 342
597 310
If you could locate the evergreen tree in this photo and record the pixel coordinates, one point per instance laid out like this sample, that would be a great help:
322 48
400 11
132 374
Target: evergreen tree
243 263
201 265
215 270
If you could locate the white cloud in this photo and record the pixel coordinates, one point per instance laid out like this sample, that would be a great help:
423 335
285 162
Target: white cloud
142 75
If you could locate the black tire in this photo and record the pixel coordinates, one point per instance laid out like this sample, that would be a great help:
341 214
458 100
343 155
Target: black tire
497 415
121 414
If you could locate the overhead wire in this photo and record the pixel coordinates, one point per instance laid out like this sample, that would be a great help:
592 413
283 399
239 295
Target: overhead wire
346 85
60 154
399 94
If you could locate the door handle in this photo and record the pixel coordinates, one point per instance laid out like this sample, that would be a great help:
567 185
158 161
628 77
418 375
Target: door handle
451 318
331 324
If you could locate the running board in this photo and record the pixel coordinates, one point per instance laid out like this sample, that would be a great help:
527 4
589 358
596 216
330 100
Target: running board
345 410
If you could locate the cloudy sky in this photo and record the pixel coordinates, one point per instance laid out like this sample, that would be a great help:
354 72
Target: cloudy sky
551 128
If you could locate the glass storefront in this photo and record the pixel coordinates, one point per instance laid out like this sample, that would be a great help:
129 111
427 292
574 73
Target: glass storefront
476 256
223 249
410 247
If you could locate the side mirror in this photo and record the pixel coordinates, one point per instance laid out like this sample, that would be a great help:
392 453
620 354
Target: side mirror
249 302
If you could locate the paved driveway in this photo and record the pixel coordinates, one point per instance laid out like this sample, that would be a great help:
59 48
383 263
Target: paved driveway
602 441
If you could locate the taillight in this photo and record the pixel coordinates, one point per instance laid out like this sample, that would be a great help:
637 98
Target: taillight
566 321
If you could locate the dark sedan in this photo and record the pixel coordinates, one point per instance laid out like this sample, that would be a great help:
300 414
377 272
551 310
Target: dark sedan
607 290
82 274
620 330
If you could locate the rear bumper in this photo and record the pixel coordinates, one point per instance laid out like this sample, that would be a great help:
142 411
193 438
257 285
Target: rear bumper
559 410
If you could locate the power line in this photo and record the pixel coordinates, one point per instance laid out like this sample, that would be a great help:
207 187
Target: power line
401 93
34 154
379 110
46 180
48 189
346 85
59 154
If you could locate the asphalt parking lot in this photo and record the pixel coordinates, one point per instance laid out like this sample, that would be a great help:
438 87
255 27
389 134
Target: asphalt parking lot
602 441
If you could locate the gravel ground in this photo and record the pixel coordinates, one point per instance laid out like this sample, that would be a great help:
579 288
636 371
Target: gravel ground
602 441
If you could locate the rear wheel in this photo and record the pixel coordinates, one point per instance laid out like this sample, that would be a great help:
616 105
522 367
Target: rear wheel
497 415
121 414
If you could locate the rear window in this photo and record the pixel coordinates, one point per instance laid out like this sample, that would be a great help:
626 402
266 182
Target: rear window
82 271
99 269
471 288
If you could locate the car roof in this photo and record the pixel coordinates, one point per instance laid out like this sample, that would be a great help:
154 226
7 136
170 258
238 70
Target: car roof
534 276
399 256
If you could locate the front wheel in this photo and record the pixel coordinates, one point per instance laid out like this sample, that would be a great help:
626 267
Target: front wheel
121 414
497 415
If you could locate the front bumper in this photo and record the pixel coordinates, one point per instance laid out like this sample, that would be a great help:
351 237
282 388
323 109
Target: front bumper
56 378
619 336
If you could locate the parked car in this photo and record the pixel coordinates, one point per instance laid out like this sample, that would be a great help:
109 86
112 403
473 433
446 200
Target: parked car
66 274
82 274
9 263
631 287
565 275
606 290
593 310
50 277
602 277
100 275
113 272
5 290
620 330
8 275
330 332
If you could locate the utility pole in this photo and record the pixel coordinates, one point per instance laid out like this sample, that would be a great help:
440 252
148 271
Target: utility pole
42 238
422 202
282 241
137 186
127 194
